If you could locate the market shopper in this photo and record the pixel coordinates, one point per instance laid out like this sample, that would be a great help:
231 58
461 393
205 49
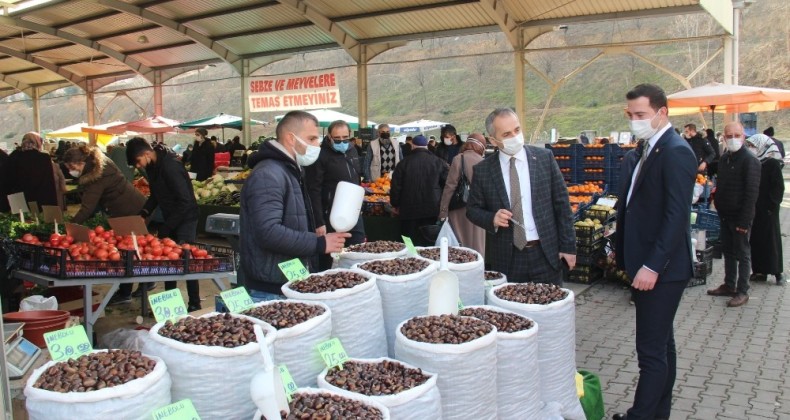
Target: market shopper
416 190
519 196
30 171
450 144
172 192
338 161
117 154
653 243
277 221
736 194
701 147
202 159
382 155
102 185
766 238
468 234
713 168
781 147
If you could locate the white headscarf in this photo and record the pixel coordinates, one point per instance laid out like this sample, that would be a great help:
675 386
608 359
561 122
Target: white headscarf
766 148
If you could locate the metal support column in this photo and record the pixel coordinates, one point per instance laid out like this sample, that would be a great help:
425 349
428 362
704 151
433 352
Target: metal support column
91 103
246 127
36 109
158 103
518 62
362 87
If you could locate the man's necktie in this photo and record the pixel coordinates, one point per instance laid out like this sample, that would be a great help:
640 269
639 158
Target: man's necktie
643 158
519 234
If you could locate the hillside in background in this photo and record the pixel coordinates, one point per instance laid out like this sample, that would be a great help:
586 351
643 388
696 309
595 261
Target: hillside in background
460 80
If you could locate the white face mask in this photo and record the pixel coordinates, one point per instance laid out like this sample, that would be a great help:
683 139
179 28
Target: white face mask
448 141
733 145
75 173
310 155
643 129
511 145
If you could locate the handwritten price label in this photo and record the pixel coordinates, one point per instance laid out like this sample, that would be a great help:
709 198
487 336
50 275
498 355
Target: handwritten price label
409 245
167 305
460 305
293 270
182 410
288 382
69 343
333 353
237 300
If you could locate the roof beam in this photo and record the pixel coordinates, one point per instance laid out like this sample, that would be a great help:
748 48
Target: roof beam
425 35
498 10
262 31
70 76
50 47
343 38
230 10
22 71
631 14
80 60
85 19
190 63
295 50
125 32
402 10
159 47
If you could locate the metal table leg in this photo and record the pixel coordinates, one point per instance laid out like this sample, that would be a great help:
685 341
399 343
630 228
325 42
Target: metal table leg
87 301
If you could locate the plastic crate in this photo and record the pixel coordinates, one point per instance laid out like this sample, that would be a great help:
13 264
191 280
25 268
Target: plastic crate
26 255
591 259
709 221
700 275
706 256
585 274
222 260
602 216
144 268
588 249
588 235
57 262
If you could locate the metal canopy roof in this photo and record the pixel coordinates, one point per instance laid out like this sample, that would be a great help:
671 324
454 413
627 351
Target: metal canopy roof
46 45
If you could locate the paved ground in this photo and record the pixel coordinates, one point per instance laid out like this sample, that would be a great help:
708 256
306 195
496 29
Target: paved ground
732 362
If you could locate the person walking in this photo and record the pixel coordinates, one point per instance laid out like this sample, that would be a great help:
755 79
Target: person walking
32 172
202 158
701 147
450 144
338 161
653 243
519 196
416 190
466 232
766 238
382 155
736 195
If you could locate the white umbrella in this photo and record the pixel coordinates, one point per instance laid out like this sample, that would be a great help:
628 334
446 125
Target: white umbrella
327 116
421 126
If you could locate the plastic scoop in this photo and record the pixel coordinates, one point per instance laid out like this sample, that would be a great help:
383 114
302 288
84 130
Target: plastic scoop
346 206
443 296
266 388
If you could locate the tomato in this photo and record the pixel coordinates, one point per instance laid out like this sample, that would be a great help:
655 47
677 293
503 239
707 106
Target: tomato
28 238
167 249
156 252
173 256
199 253
106 235
91 235
99 229
54 237
114 256
169 242
69 239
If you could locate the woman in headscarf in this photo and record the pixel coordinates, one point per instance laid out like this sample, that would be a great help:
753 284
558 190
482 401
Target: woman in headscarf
766 239
32 172
202 155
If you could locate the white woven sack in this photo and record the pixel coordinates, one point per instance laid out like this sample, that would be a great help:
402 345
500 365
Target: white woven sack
466 373
133 400
490 284
295 346
420 402
556 349
349 259
385 413
216 379
357 318
517 372
403 297
470 278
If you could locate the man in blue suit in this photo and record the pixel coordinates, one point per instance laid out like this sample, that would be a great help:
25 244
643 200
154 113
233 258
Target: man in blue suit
653 243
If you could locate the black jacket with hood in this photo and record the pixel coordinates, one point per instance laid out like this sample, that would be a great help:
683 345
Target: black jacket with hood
172 190
737 187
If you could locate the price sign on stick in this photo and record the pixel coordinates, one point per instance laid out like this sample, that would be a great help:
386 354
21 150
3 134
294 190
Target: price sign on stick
182 410
333 353
18 205
288 382
237 300
69 343
293 270
52 214
409 245
167 305
34 210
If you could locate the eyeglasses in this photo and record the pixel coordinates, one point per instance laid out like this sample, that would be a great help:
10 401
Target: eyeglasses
341 140
384 132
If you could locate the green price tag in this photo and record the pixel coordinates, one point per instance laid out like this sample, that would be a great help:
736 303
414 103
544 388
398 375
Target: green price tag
167 305
460 305
293 270
237 300
182 410
333 353
69 343
409 245
288 382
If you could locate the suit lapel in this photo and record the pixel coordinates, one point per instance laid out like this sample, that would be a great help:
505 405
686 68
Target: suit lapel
652 157
534 183
499 180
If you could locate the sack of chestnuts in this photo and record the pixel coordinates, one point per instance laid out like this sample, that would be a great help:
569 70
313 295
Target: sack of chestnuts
554 309
354 299
461 351
404 283
195 367
492 279
468 266
518 378
367 251
408 391
300 325
313 403
119 383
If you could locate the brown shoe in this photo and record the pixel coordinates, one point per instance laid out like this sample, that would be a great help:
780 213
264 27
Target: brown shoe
738 300
722 290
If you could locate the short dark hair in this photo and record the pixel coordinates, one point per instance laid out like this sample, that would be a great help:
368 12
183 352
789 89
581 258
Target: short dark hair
292 119
769 131
338 123
202 131
134 148
656 95
692 127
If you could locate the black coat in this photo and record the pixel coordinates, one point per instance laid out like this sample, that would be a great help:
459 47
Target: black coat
737 187
202 160
30 172
171 190
322 178
766 238
702 149
276 220
417 185
447 153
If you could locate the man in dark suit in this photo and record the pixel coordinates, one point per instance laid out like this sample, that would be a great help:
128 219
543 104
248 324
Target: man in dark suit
519 196
653 243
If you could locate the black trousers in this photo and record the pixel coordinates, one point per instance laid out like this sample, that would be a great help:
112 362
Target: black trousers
737 256
531 266
411 229
655 349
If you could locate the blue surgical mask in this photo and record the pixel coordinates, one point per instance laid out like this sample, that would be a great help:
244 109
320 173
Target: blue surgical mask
340 147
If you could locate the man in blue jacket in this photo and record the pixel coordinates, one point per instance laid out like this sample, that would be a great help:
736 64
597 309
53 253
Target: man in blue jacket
277 222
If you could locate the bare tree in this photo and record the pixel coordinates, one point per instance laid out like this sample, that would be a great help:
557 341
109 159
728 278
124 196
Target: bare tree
421 81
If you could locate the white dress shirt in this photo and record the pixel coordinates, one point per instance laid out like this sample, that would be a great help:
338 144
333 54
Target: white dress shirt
650 143
522 167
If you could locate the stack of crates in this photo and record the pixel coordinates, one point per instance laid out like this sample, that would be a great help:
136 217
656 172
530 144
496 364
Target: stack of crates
589 254
614 160
567 157
593 165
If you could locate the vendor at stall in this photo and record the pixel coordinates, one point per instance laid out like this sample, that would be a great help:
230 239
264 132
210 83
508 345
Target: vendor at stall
276 216
338 161
171 190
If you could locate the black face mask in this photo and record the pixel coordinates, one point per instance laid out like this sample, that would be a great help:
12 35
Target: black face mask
384 135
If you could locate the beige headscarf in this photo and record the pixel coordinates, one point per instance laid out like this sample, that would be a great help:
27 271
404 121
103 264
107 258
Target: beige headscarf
31 141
